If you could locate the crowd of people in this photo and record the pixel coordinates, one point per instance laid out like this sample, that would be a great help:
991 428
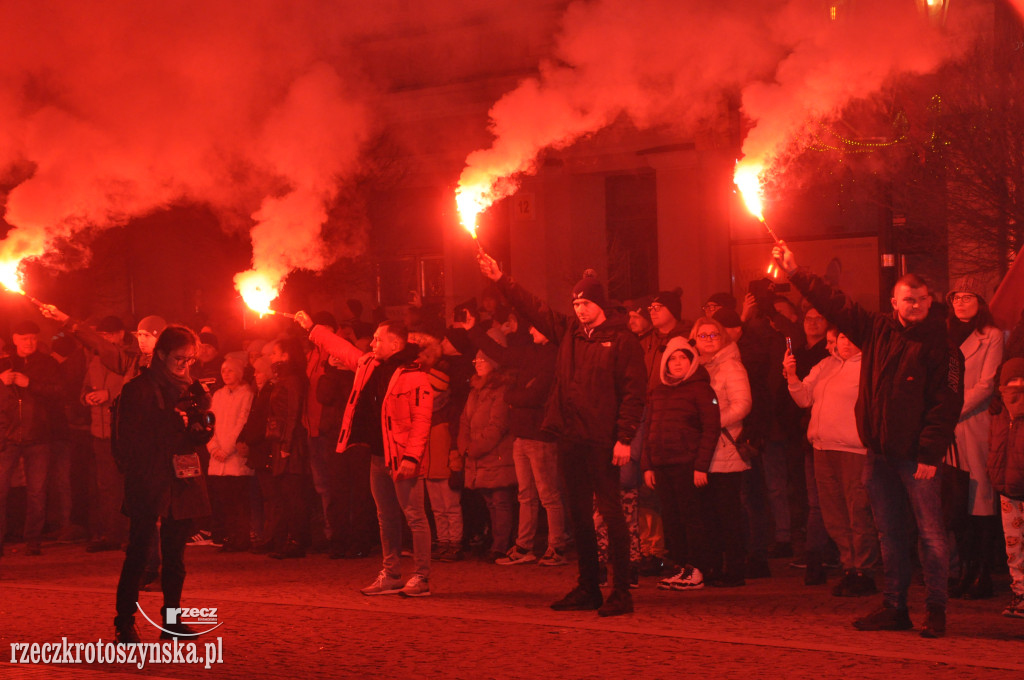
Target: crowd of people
687 451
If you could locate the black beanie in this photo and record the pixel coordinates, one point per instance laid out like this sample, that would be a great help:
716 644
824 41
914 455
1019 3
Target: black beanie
723 299
25 327
672 300
589 288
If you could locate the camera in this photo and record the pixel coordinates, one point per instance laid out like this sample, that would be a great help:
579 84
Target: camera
195 403
764 292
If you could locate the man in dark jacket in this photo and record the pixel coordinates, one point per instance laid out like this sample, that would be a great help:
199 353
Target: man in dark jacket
911 394
595 410
29 403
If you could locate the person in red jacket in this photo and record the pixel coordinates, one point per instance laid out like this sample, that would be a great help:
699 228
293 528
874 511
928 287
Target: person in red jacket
388 412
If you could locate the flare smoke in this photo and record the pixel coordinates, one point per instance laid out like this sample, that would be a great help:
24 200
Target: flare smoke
669 62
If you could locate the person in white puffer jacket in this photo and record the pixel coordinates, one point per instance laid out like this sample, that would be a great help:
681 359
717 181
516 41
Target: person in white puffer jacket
228 474
722 502
830 390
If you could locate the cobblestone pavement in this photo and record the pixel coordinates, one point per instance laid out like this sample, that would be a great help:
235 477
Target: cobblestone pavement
306 619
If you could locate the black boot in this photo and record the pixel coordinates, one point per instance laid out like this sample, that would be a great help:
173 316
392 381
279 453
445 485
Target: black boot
968 575
981 588
174 630
125 631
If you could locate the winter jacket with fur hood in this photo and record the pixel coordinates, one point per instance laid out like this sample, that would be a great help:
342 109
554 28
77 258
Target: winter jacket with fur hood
729 380
684 415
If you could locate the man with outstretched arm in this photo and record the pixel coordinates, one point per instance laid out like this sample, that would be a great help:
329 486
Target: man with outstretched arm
911 394
387 420
594 412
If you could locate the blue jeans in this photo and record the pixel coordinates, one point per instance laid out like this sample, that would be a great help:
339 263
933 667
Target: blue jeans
394 499
897 500
537 473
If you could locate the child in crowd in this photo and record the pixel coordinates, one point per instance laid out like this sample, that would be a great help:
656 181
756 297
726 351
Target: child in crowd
229 474
683 432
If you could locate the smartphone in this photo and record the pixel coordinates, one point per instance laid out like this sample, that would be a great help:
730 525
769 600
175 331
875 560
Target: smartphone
789 345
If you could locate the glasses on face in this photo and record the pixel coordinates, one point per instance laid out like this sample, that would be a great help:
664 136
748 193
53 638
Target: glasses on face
964 297
653 309
708 336
181 360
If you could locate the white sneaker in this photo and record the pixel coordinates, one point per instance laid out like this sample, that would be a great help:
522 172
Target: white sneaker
384 585
516 555
201 537
417 586
688 578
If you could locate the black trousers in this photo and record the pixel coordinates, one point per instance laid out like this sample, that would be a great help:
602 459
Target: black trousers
723 509
229 500
142 531
686 534
590 476
290 521
351 511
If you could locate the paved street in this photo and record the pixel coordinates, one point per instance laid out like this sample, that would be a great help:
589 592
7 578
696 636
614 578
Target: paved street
306 619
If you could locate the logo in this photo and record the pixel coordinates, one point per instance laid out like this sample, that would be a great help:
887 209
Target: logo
199 620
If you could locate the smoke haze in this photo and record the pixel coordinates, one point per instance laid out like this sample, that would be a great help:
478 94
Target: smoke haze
671 62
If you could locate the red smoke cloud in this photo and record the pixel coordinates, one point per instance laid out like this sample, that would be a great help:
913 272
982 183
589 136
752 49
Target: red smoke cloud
671 61
123 107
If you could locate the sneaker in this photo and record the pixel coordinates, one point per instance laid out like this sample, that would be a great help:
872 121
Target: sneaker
516 555
553 558
201 537
934 622
579 599
688 578
416 586
1015 610
384 585
619 602
886 617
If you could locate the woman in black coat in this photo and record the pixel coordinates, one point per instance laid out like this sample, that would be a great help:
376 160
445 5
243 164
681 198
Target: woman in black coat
160 421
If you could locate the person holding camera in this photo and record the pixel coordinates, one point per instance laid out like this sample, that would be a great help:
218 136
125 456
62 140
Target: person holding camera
161 420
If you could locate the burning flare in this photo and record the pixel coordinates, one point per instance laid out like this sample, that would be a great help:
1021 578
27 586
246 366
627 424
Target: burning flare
747 179
257 290
10 276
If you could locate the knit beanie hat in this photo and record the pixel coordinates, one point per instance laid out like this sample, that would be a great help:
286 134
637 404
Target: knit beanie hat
724 299
1012 370
235 363
639 306
153 325
966 284
589 288
672 300
25 327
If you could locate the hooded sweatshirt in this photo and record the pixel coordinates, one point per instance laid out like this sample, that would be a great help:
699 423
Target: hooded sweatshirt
684 415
